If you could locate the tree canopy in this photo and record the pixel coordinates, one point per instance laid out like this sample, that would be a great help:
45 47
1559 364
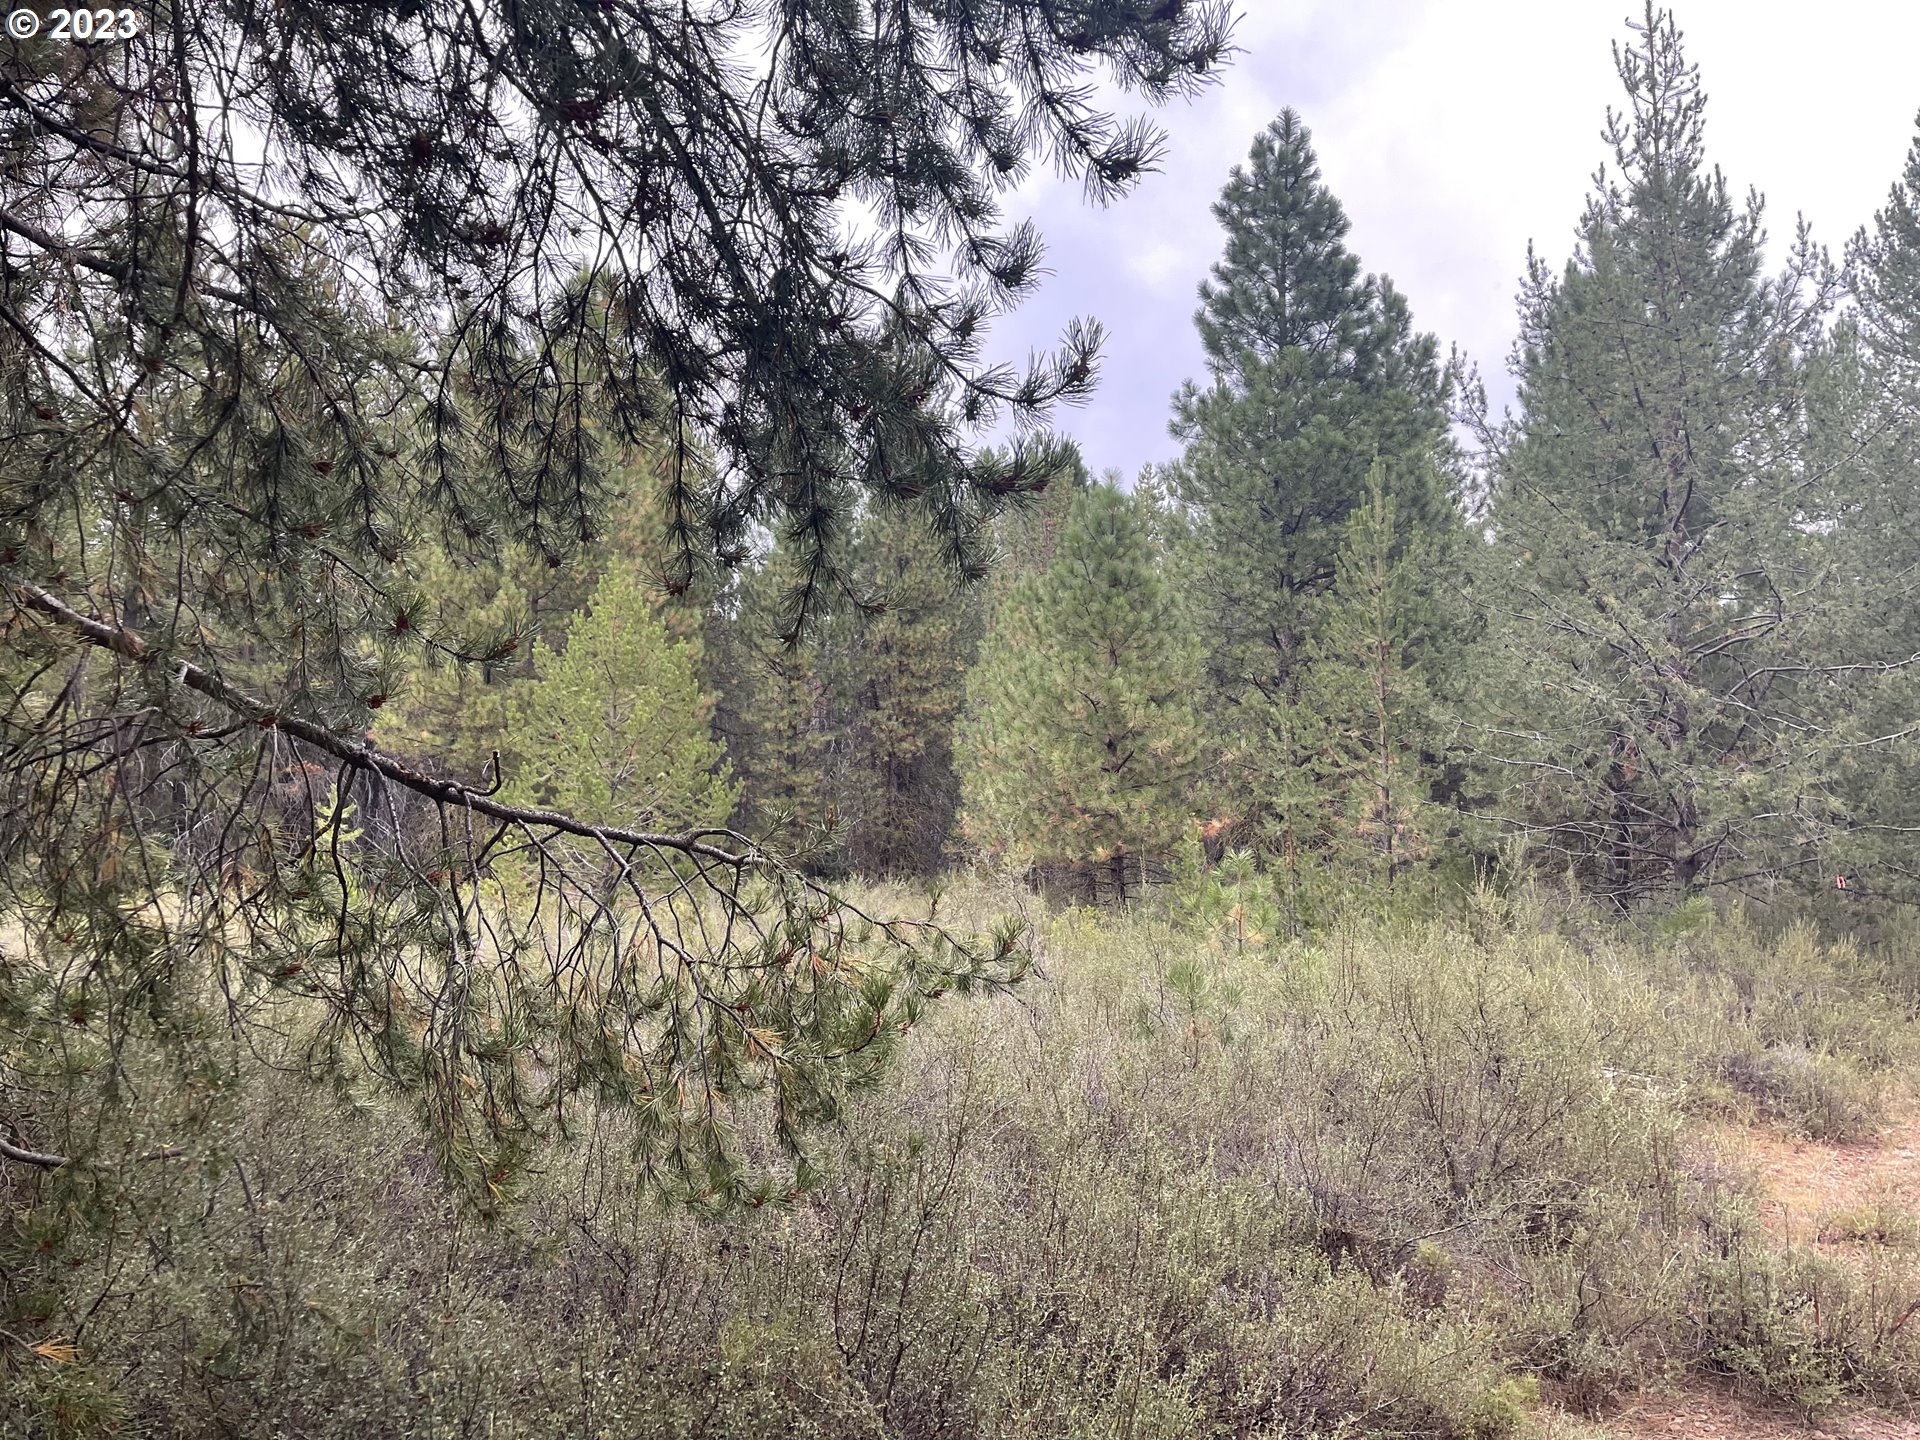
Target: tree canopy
1323 401
287 299
1661 571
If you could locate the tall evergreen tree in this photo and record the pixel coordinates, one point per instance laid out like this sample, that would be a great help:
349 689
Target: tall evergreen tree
1080 740
1661 578
1870 419
1317 376
785 705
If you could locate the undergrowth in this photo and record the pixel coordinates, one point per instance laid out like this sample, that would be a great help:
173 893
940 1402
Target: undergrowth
1401 1178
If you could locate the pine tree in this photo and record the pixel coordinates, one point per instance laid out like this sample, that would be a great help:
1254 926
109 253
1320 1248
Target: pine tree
844 738
1286 281
484 609
613 728
1885 273
1365 702
1317 377
451 704
785 706
1868 414
1080 739
906 680
1658 583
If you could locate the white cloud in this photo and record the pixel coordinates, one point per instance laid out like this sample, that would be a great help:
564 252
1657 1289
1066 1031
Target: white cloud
1157 263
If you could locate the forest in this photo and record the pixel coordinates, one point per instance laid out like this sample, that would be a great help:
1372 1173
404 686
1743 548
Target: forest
605 832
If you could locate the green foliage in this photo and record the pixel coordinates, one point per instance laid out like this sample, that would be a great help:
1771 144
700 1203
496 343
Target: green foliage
1324 404
784 707
266 448
1804 1090
457 712
906 681
1231 903
1867 413
1305 1155
1365 693
1029 533
452 170
1080 742
1668 623
1354 810
1287 282
1885 1220
844 739
613 729
481 613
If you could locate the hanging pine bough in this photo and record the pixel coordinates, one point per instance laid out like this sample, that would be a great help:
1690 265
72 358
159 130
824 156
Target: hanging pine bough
169 876
282 298
453 169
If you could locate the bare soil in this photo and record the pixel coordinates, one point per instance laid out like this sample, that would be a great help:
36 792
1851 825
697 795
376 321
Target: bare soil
1704 1413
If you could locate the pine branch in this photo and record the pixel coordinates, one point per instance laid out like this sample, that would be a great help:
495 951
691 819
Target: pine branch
41 1159
22 1156
129 646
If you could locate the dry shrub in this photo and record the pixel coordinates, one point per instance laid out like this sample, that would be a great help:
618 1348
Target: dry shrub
1381 1181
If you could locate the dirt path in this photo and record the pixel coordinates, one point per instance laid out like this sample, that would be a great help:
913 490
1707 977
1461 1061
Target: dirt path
1811 1194
1807 1187
1706 1414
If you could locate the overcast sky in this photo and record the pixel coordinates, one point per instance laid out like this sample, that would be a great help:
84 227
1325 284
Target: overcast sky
1454 134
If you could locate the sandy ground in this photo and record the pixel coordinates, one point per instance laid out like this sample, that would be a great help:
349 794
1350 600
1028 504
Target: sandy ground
1804 1184
1714 1415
